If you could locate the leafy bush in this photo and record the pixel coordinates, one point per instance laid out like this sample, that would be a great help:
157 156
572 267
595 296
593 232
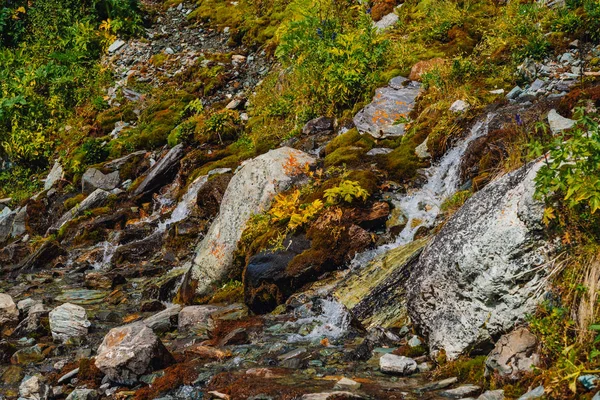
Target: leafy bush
287 208
571 169
335 60
347 191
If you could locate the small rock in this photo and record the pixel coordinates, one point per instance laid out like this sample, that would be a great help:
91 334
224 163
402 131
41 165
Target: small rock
33 388
68 321
514 93
234 104
25 304
196 319
28 355
414 341
165 320
386 22
596 396
56 174
9 314
129 351
347 384
460 392
94 179
492 395
574 43
393 364
538 84
567 58
169 51
588 381
459 106
497 91
68 376
117 44
533 394
238 59
558 123
377 151
318 125
83 394
421 150
444 383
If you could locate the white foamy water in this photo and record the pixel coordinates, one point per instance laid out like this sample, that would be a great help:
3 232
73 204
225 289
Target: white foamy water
185 205
421 206
109 250
331 323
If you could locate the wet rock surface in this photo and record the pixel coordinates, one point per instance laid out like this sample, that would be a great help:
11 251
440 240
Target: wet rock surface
479 275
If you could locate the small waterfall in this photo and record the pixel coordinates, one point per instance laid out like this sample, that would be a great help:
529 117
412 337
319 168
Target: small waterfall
421 207
185 205
332 322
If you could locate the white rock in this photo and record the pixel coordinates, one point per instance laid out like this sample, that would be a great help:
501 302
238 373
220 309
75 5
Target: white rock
514 354
347 384
386 22
460 392
68 321
33 388
83 394
492 395
8 310
459 106
117 44
196 318
129 351
249 192
482 273
421 150
558 123
55 174
394 364
536 393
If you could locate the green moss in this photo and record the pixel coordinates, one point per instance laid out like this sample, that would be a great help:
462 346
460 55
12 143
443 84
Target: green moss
350 156
73 201
466 369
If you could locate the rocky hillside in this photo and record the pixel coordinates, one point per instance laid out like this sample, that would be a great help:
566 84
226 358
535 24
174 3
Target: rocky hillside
298 199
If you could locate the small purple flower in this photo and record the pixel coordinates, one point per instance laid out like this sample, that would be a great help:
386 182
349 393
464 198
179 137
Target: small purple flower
519 120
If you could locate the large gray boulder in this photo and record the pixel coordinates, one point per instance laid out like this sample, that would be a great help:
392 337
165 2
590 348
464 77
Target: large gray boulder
384 116
94 179
162 172
249 192
484 271
129 351
68 321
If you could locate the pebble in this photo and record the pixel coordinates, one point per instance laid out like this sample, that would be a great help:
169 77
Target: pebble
460 392
393 364
533 394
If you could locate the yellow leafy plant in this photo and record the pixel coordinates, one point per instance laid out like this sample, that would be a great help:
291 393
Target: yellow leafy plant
347 191
287 207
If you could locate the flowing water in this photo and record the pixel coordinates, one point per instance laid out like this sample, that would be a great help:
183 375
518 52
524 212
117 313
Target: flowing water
185 205
422 206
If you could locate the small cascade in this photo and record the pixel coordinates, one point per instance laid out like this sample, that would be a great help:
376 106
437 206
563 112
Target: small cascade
107 255
332 322
422 206
185 205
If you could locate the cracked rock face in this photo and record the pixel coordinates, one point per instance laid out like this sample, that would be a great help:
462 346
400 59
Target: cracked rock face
514 354
249 192
484 271
130 351
68 321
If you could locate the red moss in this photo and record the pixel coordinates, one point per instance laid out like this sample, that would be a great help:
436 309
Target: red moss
381 8
175 376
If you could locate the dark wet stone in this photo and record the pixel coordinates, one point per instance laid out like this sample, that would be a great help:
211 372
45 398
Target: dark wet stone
162 172
42 258
318 125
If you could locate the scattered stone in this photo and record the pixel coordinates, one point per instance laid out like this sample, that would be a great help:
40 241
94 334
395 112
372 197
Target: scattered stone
438 385
94 200
33 388
588 381
536 393
117 44
460 392
331 396
162 172
497 91
318 125
346 384
421 150
514 93
414 341
378 151
393 364
83 394
68 376
386 22
492 395
537 85
9 314
129 351
238 59
165 320
93 179
68 321
386 115
567 58
514 354
28 355
459 106
559 123
197 319
55 175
